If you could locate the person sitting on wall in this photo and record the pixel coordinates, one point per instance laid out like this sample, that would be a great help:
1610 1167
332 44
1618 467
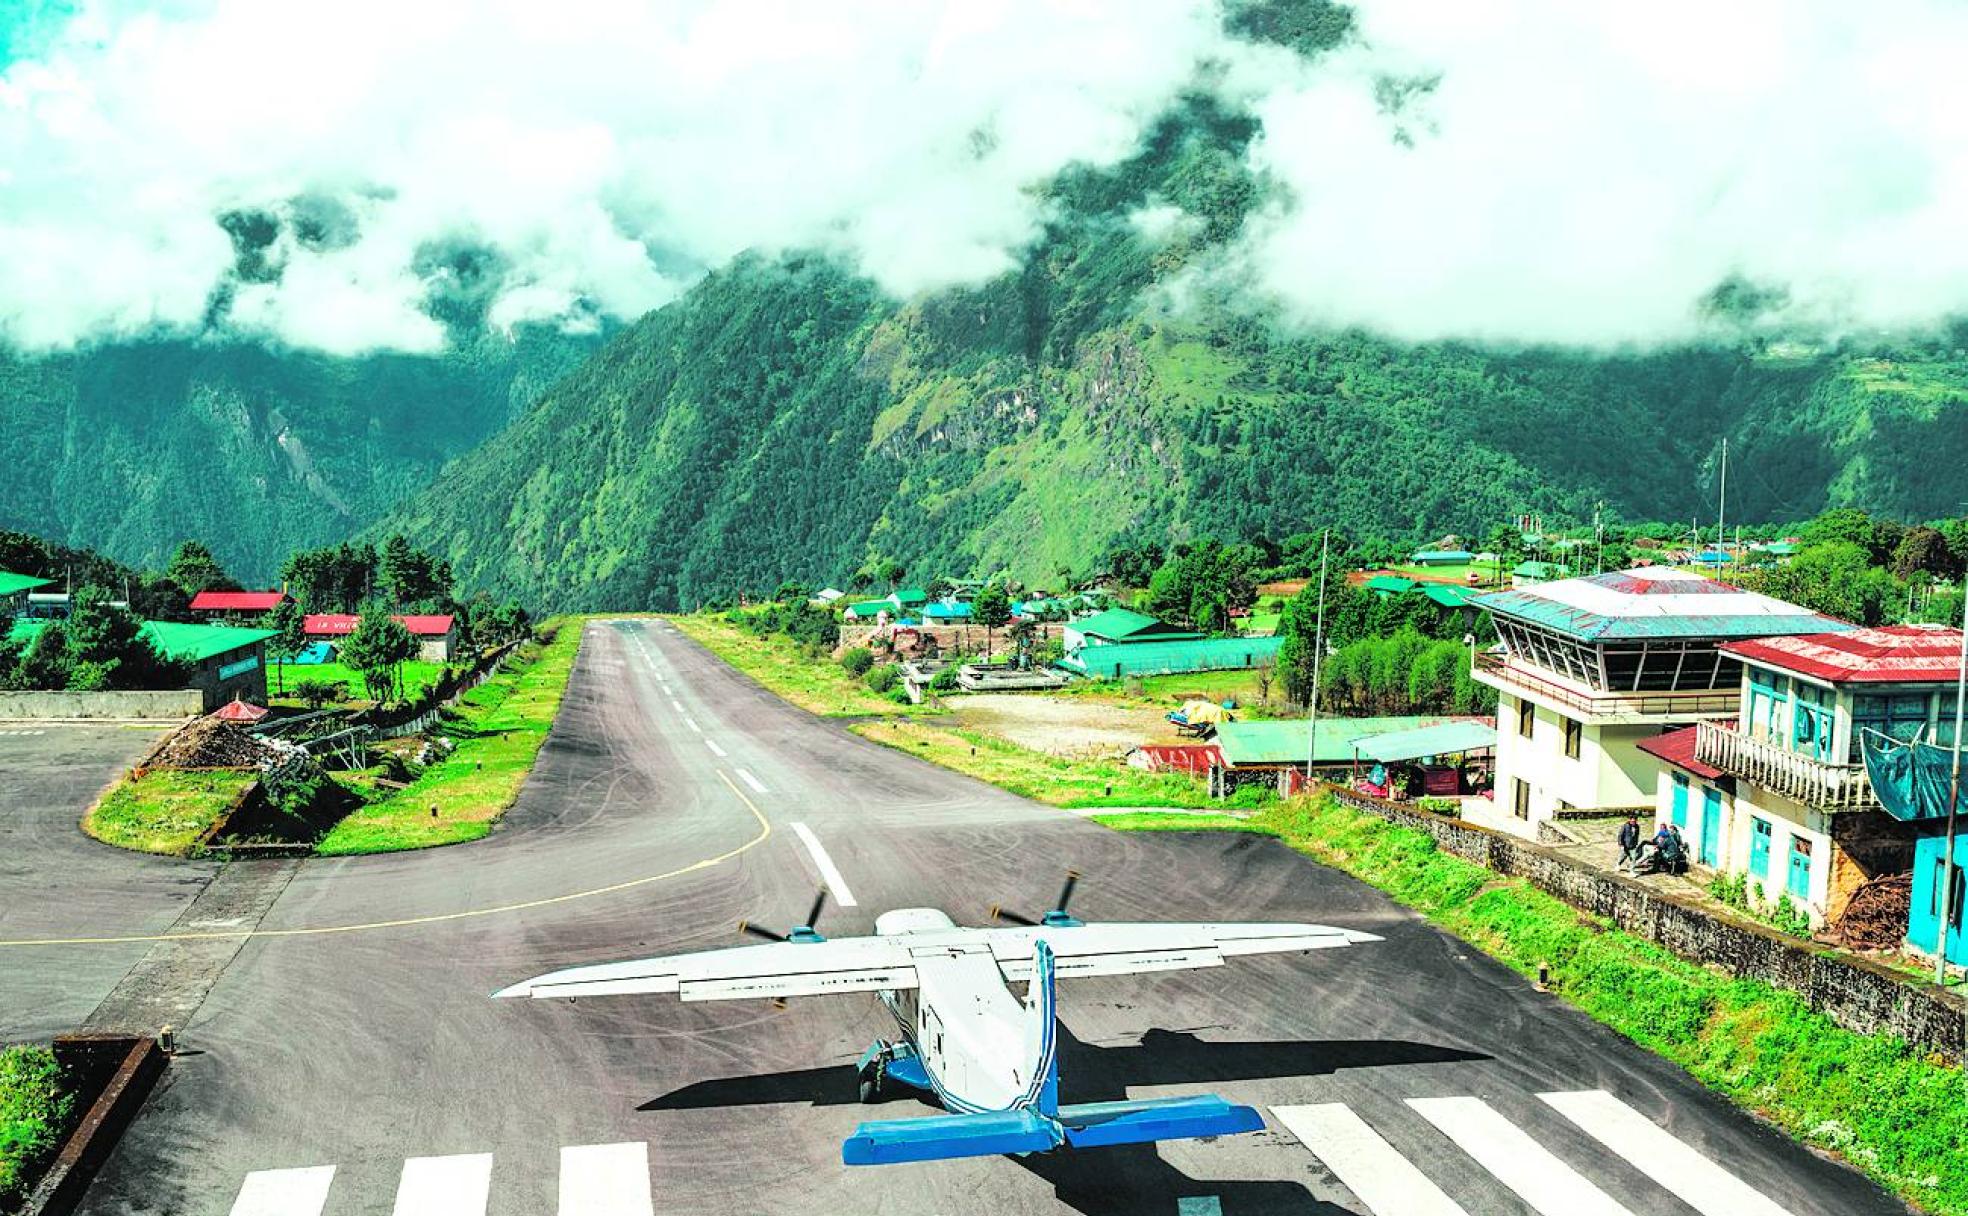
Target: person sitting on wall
1669 856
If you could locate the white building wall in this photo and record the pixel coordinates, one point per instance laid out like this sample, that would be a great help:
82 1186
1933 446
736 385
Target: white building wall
1609 771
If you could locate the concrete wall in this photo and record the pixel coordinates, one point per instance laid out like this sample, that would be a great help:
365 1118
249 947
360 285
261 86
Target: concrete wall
176 703
1856 994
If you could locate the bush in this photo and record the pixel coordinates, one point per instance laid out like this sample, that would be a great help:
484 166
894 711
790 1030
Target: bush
316 693
857 661
945 680
885 677
34 1114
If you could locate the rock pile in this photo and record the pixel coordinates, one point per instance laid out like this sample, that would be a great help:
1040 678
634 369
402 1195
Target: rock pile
211 743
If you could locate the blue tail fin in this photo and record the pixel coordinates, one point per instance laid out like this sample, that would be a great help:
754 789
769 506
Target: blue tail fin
1042 1034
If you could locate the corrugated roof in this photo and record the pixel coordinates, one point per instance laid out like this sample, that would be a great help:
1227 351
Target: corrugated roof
237 601
1907 654
1120 624
1394 584
1677 747
12 584
1445 556
1188 757
1170 657
868 608
1441 739
1282 741
176 640
1654 602
1446 594
341 624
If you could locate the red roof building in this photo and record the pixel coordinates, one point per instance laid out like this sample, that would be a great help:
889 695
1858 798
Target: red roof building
1677 747
237 601
1891 654
437 632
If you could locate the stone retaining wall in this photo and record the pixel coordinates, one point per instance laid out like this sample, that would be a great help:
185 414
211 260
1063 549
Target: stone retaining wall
171 704
1857 994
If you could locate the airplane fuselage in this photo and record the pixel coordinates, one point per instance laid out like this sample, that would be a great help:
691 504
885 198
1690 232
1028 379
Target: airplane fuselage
967 1027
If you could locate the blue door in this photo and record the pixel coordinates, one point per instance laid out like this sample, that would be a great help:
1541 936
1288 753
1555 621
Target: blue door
1799 879
1759 848
1711 837
1678 809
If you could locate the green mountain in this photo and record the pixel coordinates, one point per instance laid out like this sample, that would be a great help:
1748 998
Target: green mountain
783 419
130 448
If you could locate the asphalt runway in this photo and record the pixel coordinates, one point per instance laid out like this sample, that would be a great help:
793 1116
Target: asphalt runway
349 1061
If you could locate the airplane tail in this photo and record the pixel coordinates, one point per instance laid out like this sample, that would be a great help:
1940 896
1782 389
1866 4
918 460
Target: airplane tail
1037 1123
1042 1035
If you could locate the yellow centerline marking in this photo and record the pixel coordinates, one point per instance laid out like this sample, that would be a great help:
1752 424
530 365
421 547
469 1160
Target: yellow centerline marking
765 830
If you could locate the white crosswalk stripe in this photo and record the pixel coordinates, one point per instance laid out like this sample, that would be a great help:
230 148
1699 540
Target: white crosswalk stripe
605 1180
298 1192
1507 1151
22 734
1690 1177
1382 1178
445 1186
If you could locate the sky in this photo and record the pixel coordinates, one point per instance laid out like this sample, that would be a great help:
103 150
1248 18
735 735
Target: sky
1580 175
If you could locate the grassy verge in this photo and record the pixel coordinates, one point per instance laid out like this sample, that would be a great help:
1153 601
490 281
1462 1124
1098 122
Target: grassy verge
1043 778
167 811
1164 692
282 679
499 728
35 1113
779 663
1868 1098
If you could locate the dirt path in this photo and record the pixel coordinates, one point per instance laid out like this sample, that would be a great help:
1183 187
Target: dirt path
1065 726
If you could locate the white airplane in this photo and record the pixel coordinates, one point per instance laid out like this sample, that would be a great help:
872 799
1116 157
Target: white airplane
989 1058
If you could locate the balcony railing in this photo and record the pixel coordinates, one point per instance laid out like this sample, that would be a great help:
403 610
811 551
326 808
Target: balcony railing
1806 779
1505 670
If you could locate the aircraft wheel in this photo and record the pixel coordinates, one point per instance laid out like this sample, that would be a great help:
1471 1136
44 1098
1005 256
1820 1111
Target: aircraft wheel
871 1081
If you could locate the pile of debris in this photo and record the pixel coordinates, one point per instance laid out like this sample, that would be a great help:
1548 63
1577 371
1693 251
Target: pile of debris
1876 916
211 743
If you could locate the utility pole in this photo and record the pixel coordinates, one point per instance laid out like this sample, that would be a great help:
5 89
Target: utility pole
1722 497
1318 654
1954 796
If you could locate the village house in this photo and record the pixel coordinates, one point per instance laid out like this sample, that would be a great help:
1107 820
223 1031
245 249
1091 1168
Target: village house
1117 626
226 662
14 590
1789 803
437 635
235 607
1588 668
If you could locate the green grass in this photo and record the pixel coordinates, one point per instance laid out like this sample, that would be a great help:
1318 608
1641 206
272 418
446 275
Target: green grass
1868 1098
167 810
1164 692
1168 821
499 727
1053 780
35 1113
418 675
1487 572
818 686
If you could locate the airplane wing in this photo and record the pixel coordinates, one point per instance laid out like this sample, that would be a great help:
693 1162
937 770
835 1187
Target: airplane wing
1130 949
867 964
848 964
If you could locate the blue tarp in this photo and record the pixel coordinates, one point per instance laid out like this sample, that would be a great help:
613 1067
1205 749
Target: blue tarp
1911 779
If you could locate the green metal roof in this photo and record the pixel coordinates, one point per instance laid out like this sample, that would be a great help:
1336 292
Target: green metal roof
1541 569
1282 741
1121 624
1447 595
177 640
869 608
1153 658
1392 584
11 583
911 595
1441 739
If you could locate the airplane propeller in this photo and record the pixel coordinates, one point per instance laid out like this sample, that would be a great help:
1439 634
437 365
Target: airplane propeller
801 933
1057 918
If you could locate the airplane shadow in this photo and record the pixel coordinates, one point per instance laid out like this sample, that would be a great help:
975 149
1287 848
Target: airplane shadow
1128 1179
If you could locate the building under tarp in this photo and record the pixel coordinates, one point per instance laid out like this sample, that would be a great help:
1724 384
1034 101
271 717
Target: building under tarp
1911 781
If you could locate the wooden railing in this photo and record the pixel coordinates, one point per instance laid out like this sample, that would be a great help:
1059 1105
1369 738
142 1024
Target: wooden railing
1505 670
1806 779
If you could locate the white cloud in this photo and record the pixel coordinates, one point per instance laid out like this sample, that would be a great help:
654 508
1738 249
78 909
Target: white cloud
589 143
1588 173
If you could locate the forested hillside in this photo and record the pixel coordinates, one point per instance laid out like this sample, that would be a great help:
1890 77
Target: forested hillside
131 448
784 420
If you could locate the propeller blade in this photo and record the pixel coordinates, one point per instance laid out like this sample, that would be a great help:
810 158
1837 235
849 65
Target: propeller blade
1001 913
819 902
745 926
1066 892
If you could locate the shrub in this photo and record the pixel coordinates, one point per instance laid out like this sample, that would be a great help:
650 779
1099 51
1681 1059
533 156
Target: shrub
857 661
885 677
316 693
945 680
34 1114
